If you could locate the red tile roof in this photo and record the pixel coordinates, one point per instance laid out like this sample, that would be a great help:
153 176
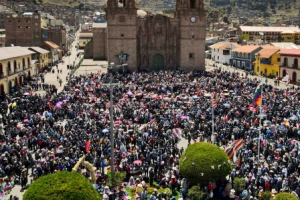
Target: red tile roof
290 52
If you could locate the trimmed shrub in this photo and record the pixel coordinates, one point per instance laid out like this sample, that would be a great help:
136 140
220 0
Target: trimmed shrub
285 196
62 186
239 185
203 162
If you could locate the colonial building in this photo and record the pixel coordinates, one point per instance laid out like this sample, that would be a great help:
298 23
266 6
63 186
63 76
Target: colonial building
242 57
221 52
289 63
267 61
151 42
15 66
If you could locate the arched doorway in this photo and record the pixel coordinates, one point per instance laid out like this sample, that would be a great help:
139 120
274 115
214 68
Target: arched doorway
16 81
23 63
296 63
20 80
29 74
157 62
2 92
294 77
9 87
283 73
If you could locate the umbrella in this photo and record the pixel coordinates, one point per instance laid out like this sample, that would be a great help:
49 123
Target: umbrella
294 118
195 97
137 162
105 131
59 151
13 105
86 83
20 127
129 93
139 94
67 158
57 105
26 121
48 114
147 97
226 104
60 102
65 100
26 93
207 95
154 96
267 122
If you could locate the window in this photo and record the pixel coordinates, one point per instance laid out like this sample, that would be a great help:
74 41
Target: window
243 64
191 55
238 63
27 26
19 26
36 16
234 63
192 4
122 35
122 19
278 59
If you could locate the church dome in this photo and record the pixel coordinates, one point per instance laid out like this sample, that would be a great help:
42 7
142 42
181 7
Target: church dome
141 13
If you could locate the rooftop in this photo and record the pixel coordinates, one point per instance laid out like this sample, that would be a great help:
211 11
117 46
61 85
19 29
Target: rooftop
269 28
85 35
246 48
99 25
285 45
267 51
14 52
39 50
225 45
290 52
51 44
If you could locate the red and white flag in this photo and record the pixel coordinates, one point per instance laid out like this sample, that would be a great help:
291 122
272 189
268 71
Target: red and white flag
214 100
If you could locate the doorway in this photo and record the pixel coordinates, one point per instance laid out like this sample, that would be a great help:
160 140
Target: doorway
157 62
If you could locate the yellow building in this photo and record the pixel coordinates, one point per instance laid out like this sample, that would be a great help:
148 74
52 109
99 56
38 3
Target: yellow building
288 36
267 61
15 67
41 57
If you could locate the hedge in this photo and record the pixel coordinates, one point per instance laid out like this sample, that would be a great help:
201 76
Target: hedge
62 186
203 162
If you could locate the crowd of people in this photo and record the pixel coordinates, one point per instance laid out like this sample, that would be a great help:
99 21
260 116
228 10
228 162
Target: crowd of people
152 113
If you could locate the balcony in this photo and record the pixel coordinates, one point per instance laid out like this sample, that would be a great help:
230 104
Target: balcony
265 62
284 64
1 75
10 72
295 66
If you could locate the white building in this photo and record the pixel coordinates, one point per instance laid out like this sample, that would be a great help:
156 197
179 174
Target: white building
221 52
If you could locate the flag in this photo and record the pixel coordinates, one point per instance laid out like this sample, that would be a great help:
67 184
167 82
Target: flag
239 164
177 132
136 118
226 118
257 100
87 146
237 143
214 100
152 121
286 78
239 146
230 152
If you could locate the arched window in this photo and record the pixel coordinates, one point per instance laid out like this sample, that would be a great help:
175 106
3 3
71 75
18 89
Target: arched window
193 4
28 62
23 63
1 68
8 66
15 65
295 63
285 62
266 71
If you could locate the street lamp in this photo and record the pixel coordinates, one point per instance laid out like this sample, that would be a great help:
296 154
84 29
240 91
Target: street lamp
111 85
261 116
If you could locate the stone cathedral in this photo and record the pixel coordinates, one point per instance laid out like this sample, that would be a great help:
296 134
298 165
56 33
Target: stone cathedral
152 42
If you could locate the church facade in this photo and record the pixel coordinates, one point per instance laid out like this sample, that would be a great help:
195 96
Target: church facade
152 42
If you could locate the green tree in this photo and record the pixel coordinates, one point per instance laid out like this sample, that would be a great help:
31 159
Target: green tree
238 185
285 196
62 186
203 162
119 179
266 195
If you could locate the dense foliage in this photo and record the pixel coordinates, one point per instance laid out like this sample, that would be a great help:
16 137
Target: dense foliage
62 186
203 162
285 196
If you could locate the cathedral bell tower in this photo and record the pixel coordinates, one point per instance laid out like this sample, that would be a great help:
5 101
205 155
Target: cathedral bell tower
121 19
191 17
